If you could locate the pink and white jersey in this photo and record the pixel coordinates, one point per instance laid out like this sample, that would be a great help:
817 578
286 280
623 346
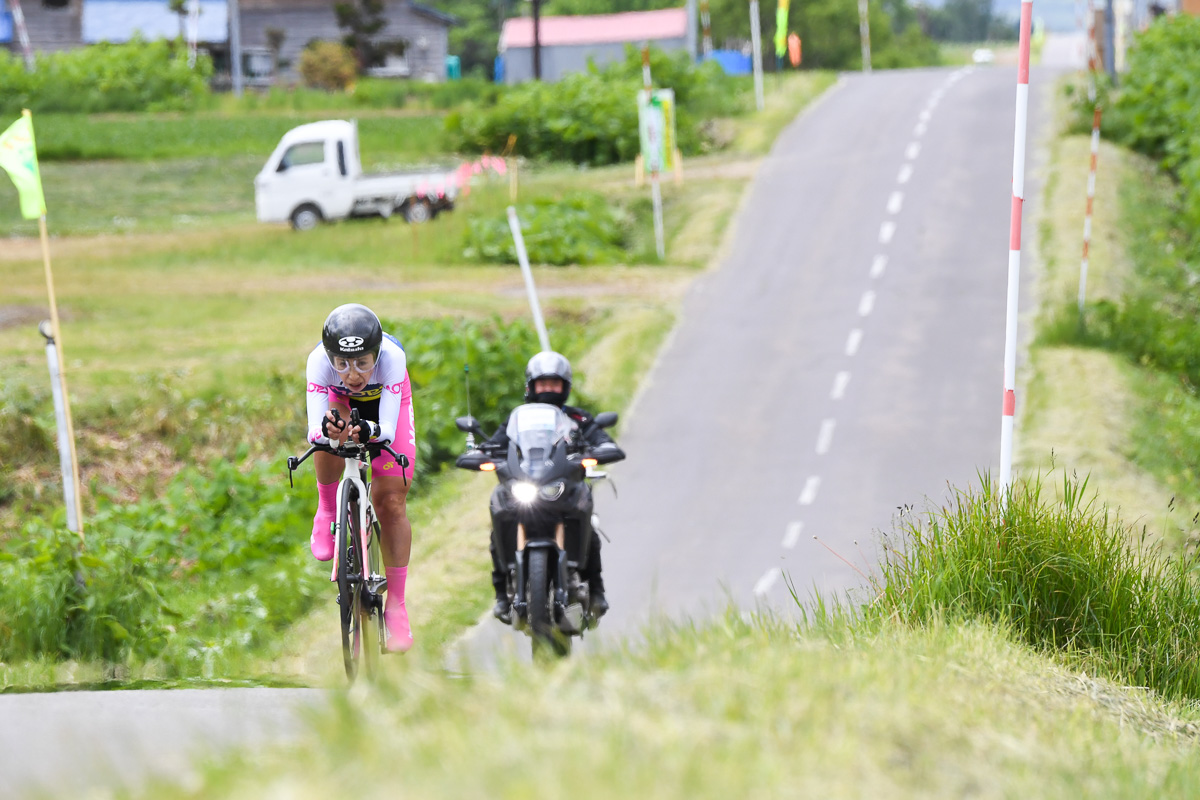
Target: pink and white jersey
385 384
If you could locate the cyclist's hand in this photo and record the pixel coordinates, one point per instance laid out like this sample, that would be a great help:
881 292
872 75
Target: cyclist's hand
333 428
364 431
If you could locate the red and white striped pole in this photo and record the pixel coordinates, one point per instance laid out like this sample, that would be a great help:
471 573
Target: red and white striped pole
1091 184
1014 252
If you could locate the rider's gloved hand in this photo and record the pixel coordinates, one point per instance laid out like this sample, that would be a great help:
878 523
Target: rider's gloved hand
365 431
333 427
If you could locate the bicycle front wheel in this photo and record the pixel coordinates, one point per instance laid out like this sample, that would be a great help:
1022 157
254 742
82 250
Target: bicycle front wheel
349 580
370 603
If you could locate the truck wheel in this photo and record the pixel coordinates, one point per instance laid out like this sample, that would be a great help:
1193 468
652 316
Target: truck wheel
418 211
306 217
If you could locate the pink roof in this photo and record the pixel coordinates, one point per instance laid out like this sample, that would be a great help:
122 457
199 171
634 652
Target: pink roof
630 26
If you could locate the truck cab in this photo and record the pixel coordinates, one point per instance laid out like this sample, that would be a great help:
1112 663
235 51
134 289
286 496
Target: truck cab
310 176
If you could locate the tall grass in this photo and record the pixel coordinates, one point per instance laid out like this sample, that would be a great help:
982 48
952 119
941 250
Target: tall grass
1066 576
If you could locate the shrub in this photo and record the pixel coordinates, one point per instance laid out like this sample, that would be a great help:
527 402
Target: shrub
328 65
494 350
135 76
591 117
581 228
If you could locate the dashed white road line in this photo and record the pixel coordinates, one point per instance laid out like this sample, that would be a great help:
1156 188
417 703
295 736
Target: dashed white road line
919 129
825 437
925 115
878 265
767 581
839 385
906 172
867 303
886 231
853 341
895 202
792 537
912 151
809 493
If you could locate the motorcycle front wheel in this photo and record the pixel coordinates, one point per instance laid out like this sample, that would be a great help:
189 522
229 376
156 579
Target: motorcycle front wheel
539 591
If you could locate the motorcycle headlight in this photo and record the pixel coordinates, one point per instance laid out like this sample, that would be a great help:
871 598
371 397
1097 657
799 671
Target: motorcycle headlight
552 491
524 492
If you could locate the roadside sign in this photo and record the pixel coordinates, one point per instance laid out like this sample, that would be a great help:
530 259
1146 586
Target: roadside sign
656 129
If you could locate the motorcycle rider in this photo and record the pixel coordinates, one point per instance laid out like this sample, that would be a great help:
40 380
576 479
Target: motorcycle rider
548 380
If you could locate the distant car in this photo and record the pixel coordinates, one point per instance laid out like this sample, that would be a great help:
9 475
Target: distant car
983 56
314 175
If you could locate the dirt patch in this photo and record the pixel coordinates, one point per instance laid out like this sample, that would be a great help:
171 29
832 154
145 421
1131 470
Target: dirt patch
12 316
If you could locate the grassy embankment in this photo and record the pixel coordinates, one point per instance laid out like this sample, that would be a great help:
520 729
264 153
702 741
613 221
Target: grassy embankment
184 345
1001 658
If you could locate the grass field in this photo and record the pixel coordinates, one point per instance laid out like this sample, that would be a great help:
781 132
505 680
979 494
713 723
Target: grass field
184 332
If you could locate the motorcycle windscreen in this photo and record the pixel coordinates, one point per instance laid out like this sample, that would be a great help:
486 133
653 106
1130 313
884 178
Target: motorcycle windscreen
535 429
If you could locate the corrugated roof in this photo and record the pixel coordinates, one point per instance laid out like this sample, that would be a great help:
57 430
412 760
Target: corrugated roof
631 26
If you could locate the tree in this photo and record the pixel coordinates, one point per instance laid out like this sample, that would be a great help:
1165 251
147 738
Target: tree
362 20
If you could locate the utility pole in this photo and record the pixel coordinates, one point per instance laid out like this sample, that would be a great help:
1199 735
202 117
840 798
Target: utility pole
690 5
1110 54
864 35
235 47
537 40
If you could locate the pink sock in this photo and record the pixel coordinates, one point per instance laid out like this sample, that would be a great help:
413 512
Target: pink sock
327 498
396 577
395 615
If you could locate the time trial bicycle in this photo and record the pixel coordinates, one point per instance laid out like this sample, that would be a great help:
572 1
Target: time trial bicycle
357 558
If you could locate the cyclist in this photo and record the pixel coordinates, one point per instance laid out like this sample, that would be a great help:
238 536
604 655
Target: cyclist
358 366
548 380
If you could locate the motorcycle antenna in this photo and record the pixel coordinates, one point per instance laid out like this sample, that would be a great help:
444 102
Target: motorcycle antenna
467 381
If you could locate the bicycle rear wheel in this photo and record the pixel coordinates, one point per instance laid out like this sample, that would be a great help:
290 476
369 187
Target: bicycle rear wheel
349 580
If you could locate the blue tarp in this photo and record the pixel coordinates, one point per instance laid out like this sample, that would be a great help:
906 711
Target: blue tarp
732 61
6 27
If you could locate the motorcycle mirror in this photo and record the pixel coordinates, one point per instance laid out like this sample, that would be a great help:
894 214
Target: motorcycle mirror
468 424
606 420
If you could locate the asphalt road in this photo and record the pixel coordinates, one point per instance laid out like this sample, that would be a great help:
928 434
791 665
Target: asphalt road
843 362
842 366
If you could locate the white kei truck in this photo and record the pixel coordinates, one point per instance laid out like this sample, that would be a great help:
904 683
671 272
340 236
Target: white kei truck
315 175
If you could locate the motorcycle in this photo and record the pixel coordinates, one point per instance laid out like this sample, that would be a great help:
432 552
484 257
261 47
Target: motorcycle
545 472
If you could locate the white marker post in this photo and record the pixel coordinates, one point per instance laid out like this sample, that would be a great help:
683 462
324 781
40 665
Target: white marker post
864 35
514 225
1014 252
66 458
653 155
18 16
756 45
1091 183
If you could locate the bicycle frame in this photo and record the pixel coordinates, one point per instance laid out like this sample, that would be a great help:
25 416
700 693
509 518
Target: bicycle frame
354 477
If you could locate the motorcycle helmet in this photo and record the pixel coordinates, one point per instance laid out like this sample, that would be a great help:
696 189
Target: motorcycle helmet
351 332
548 364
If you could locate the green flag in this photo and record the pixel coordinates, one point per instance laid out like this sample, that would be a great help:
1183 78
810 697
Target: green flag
18 157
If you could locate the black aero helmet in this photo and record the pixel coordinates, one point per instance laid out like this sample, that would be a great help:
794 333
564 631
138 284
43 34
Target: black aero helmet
548 364
351 331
